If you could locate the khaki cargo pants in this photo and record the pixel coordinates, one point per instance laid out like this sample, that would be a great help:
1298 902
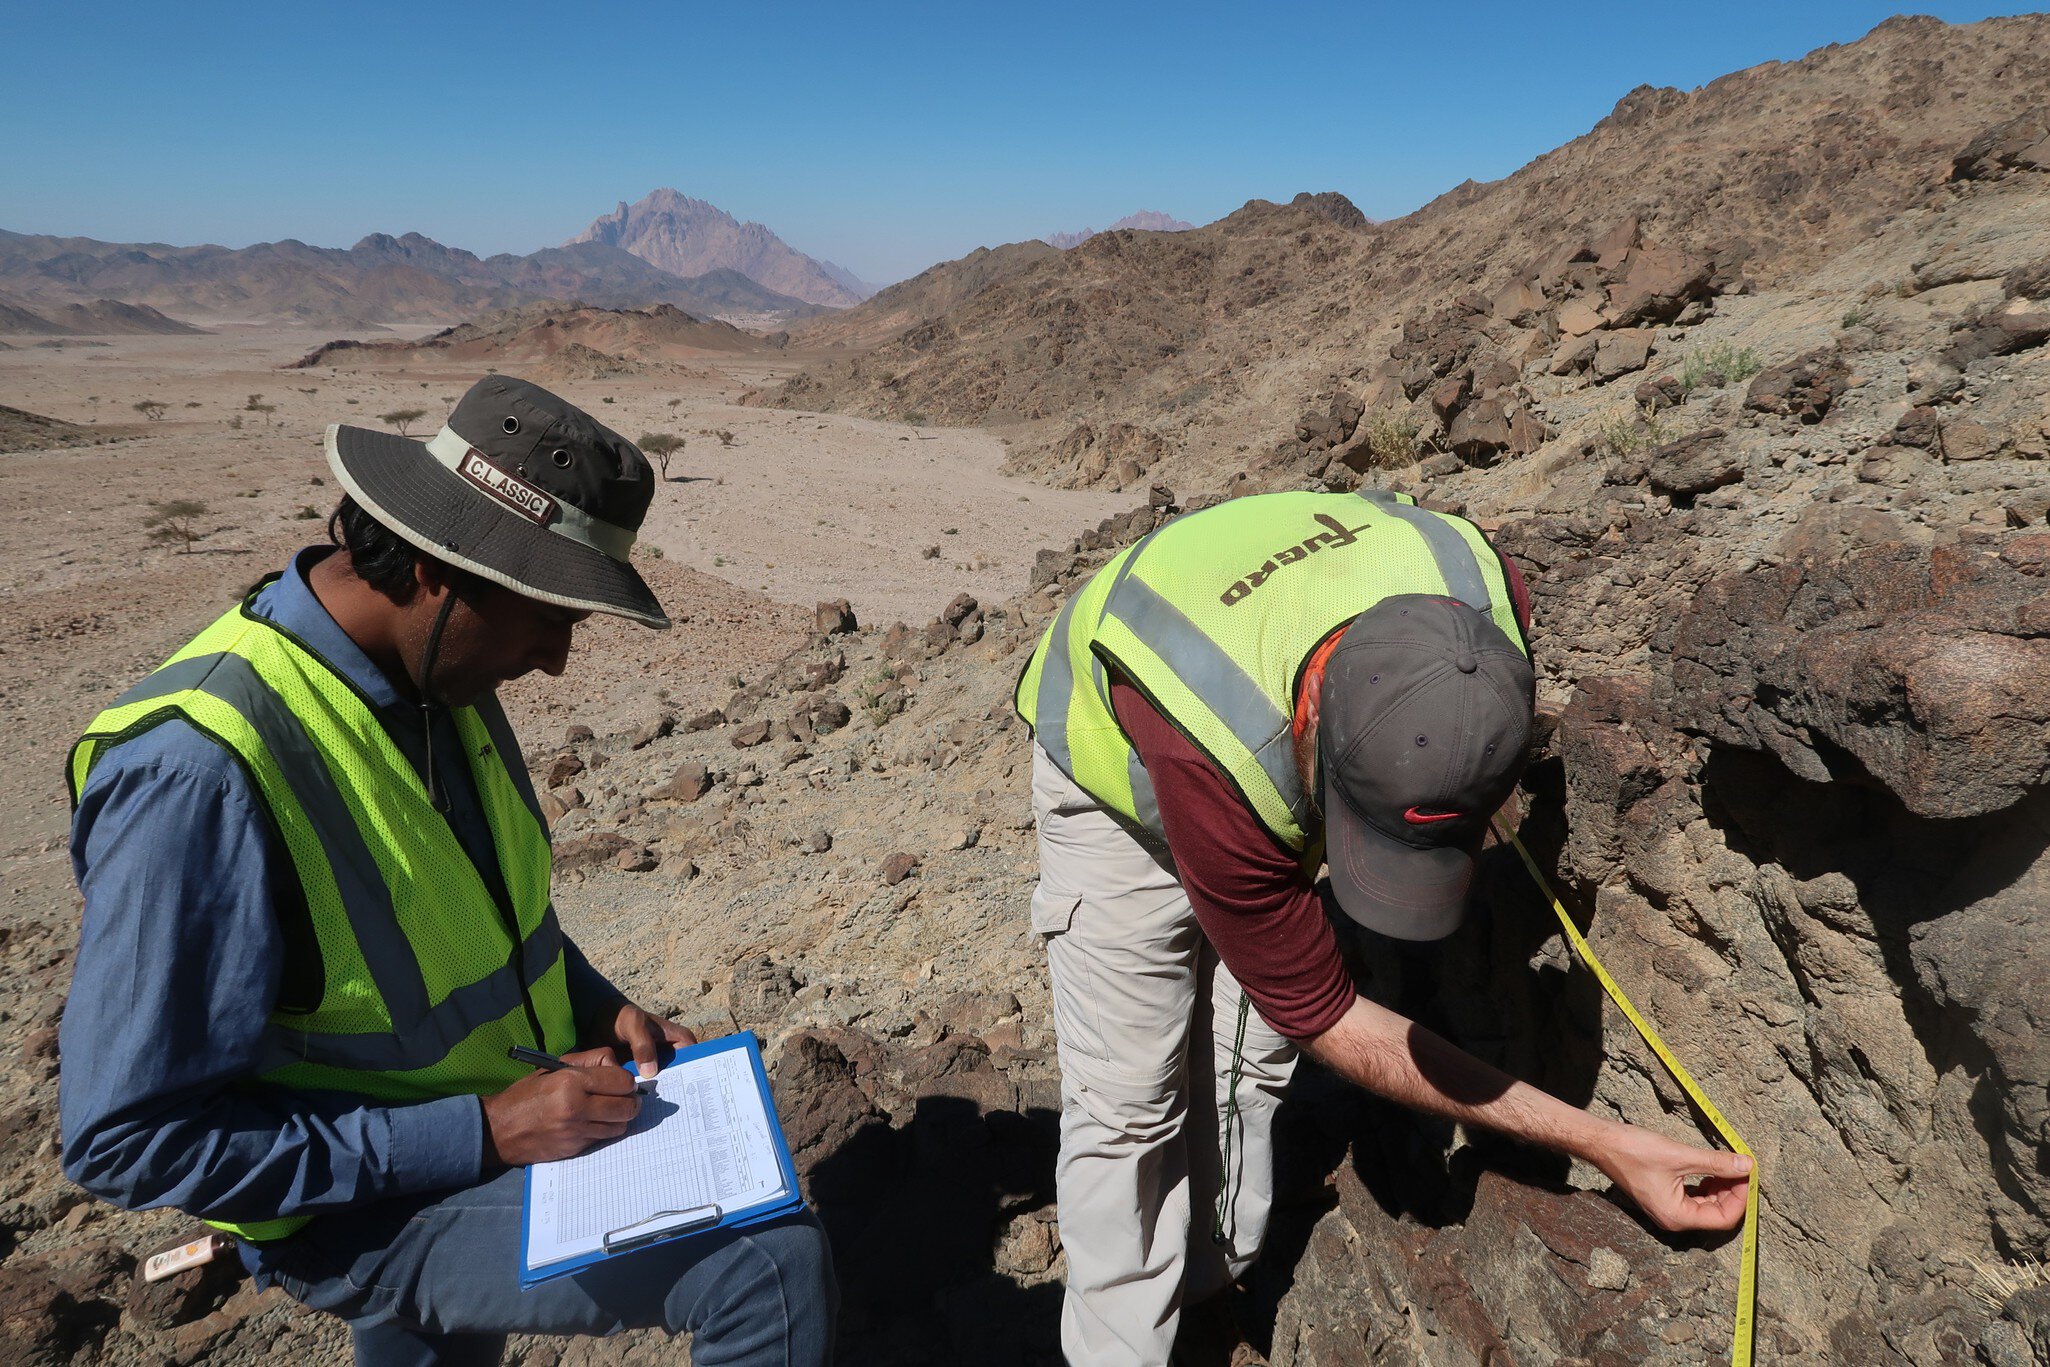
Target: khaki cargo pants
1134 983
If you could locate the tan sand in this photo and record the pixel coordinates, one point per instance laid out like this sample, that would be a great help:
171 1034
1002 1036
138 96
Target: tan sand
799 507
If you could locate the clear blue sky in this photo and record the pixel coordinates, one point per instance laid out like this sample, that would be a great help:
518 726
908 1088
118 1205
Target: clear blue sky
881 136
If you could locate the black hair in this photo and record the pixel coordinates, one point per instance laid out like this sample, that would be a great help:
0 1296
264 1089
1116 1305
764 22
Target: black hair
383 559
378 556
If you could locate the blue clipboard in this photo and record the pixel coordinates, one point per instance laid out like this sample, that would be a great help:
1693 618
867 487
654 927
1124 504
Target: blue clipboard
713 1219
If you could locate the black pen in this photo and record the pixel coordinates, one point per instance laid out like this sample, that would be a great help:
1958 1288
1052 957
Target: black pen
520 1053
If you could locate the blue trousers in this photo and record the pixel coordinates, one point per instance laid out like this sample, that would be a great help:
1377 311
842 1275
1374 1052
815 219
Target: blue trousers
437 1281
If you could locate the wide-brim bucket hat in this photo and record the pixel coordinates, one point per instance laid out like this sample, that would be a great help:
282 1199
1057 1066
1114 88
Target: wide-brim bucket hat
520 487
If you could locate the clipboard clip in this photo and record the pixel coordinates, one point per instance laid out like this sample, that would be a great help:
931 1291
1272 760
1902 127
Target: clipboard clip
665 1224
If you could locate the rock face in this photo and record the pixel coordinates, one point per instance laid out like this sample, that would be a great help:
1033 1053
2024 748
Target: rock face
2020 144
1815 842
1922 672
1528 1269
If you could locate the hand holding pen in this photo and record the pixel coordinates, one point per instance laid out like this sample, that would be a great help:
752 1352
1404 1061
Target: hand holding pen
558 1111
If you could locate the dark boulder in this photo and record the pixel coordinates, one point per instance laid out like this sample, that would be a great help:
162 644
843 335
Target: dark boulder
1694 464
1804 388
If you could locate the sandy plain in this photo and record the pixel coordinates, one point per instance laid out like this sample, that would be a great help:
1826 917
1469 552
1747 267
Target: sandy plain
743 538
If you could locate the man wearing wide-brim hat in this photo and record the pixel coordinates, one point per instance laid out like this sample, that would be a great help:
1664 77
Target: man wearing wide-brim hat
317 916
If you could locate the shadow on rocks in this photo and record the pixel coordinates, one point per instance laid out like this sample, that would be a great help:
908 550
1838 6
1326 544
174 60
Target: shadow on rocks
934 1180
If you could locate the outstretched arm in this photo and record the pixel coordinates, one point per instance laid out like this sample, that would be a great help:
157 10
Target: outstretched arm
1678 1186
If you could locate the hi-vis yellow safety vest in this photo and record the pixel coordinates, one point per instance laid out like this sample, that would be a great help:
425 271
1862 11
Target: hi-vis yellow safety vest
425 977
1213 618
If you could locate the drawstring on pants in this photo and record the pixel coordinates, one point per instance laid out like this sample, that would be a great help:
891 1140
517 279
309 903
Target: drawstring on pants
1226 1144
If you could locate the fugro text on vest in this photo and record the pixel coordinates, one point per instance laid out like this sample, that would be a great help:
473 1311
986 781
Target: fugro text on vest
1337 534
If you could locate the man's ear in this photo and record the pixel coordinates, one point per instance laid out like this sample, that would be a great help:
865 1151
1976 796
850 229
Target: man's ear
432 578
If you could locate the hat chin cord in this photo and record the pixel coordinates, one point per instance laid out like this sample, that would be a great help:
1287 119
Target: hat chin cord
427 654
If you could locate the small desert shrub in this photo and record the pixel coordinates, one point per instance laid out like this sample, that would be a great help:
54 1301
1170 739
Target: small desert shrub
915 418
1854 316
1627 431
877 699
152 409
1391 438
175 521
725 437
307 512
663 446
1717 365
402 418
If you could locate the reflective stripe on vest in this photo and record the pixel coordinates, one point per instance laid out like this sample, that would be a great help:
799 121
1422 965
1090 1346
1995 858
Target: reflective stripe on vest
423 984
1213 617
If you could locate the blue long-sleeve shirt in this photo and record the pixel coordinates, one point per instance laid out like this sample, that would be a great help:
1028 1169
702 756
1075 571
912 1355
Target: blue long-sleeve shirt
180 958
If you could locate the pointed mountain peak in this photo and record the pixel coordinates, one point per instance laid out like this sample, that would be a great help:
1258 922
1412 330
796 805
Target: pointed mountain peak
690 237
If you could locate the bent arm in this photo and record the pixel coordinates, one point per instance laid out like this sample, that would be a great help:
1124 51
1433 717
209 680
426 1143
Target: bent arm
1677 1185
180 960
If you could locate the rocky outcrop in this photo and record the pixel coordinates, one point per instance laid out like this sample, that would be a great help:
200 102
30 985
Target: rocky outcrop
1529 1273
1923 672
2020 144
1116 457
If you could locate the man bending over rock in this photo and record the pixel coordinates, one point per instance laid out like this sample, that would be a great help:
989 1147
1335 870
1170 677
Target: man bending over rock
1249 692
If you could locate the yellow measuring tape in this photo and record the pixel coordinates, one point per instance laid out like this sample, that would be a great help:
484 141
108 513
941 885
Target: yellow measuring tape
1747 1270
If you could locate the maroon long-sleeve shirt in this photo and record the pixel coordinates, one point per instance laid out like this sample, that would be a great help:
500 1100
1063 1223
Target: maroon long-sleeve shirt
1251 896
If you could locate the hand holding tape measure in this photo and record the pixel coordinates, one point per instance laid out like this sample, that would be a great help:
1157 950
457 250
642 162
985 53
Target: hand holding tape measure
1747 1267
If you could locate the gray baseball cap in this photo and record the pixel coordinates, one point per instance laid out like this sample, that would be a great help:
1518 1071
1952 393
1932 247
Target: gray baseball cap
1422 730
521 487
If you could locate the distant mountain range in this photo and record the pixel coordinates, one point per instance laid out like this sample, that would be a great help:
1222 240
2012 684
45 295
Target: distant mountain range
686 237
382 279
1146 220
666 248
